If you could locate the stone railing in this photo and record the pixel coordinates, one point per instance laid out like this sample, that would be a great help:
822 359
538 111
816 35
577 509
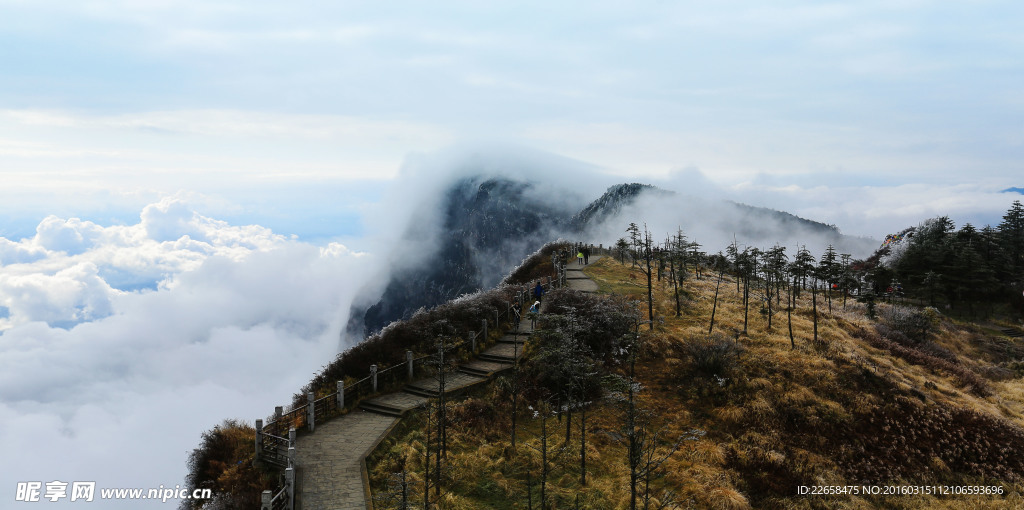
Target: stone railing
284 499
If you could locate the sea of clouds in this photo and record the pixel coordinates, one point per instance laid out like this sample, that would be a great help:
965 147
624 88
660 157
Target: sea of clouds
120 345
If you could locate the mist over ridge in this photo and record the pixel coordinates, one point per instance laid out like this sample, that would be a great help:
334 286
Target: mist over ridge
485 210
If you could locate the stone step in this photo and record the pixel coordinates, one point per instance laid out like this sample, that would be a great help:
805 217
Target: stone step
386 410
420 391
497 358
474 371
1013 333
481 368
455 382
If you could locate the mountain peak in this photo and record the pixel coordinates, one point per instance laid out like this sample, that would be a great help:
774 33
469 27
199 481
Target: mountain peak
612 201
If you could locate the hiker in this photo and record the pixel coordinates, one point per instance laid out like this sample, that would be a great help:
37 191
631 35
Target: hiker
586 255
579 257
515 318
538 292
534 312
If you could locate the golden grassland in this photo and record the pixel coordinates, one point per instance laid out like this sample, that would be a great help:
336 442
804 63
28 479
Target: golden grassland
845 411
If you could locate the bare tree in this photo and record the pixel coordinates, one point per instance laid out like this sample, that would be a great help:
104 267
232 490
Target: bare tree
646 450
543 411
396 496
721 269
643 246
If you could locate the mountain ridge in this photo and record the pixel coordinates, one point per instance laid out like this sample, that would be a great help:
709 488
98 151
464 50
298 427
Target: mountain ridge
490 223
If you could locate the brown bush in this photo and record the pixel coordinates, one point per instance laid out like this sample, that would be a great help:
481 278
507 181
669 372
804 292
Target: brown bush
903 439
223 463
605 318
536 266
917 356
712 355
418 334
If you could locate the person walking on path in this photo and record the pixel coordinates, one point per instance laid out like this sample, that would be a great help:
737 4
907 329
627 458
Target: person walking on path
586 255
534 312
579 257
538 292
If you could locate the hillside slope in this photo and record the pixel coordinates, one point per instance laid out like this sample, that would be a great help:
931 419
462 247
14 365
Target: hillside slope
744 420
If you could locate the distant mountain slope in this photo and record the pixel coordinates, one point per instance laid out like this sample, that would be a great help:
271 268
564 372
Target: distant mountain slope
713 222
611 203
781 218
489 224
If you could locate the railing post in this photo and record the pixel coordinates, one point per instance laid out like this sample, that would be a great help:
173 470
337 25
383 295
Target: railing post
291 456
408 365
311 411
497 319
484 326
472 341
259 438
289 480
278 412
341 394
291 436
373 377
267 496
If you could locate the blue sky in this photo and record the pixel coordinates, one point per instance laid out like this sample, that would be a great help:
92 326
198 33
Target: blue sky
192 193
233 99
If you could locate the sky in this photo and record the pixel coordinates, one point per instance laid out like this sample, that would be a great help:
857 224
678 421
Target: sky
192 193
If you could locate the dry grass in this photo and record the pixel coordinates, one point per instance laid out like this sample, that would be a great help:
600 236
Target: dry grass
849 409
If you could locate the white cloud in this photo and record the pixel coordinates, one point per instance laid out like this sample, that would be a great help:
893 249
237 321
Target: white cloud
72 236
116 386
71 270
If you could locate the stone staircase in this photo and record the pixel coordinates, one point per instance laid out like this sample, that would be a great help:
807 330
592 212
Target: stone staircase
331 470
485 366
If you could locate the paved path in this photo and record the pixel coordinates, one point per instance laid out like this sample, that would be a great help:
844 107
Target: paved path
330 460
575 279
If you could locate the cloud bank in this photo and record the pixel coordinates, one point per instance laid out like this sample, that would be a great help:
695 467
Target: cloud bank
121 344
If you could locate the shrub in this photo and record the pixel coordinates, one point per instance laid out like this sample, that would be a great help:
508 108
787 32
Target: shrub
563 363
223 463
915 324
536 266
907 440
712 355
418 334
916 356
607 318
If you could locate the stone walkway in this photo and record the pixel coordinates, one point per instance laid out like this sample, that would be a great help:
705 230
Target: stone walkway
575 279
330 460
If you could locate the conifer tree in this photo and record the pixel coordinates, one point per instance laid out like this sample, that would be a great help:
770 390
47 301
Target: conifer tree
827 272
1011 233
